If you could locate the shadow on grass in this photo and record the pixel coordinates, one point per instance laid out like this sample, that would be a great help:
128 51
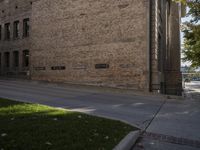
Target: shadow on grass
38 127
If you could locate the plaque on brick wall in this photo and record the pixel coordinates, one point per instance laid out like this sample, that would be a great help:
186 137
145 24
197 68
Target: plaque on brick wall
39 68
126 65
102 66
58 68
79 67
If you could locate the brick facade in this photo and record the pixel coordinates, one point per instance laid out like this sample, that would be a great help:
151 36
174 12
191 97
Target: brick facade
80 36
11 11
110 43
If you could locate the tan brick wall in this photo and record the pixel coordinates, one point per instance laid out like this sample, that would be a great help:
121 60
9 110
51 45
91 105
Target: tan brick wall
10 11
169 72
79 34
155 74
173 73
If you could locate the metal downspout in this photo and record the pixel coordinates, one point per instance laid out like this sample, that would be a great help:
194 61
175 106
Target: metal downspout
150 45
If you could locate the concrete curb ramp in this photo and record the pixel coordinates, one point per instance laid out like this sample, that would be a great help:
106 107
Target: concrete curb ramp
128 142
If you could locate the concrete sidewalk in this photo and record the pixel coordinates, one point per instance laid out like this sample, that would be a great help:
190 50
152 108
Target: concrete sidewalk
177 125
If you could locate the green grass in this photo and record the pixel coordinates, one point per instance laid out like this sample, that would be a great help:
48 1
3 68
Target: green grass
25 126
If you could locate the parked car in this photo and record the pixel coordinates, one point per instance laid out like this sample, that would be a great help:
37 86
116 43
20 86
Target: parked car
186 80
196 79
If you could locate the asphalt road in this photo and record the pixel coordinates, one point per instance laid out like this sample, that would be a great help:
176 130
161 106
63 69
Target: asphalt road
127 107
176 118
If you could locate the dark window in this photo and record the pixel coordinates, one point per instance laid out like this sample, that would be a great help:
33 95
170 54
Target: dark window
58 68
40 68
159 52
7 31
16 29
102 66
25 58
160 9
0 32
159 5
7 59
0 60
26 27
15 59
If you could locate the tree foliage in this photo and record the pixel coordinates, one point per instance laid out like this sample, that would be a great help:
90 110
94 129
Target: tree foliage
192 44
191 31
194 10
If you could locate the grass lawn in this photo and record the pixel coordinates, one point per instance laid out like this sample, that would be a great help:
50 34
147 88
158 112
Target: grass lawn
25 126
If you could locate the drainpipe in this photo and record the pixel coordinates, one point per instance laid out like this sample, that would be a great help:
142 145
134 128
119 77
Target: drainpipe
149 43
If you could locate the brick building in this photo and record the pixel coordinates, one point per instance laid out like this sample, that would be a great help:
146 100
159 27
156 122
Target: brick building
131 44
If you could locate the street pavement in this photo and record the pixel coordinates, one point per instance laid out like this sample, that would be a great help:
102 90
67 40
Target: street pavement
116 104
170 124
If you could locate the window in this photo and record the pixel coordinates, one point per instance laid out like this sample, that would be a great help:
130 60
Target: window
160 10
7 59
101 66
159 52
7 31
159 5
26 27
0 60
0 32
15 59
25 58
167 14
16 29
58 68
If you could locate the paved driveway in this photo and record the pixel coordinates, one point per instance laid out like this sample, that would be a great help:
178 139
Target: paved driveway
180 118
177 125
136 110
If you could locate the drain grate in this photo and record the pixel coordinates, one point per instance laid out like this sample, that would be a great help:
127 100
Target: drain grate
171 139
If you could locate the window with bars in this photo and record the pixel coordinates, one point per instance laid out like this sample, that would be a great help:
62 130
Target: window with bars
7 31
26 27
0 60
0 32
16 29
25 58
7 59
15 59
159 52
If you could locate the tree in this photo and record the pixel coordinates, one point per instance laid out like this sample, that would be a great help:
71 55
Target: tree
194 9
191 31
192 44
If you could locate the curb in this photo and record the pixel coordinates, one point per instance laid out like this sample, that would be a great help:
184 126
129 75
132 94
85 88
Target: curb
128 141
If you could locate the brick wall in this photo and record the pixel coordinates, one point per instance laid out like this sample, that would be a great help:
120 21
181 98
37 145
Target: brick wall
77 35
10 11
